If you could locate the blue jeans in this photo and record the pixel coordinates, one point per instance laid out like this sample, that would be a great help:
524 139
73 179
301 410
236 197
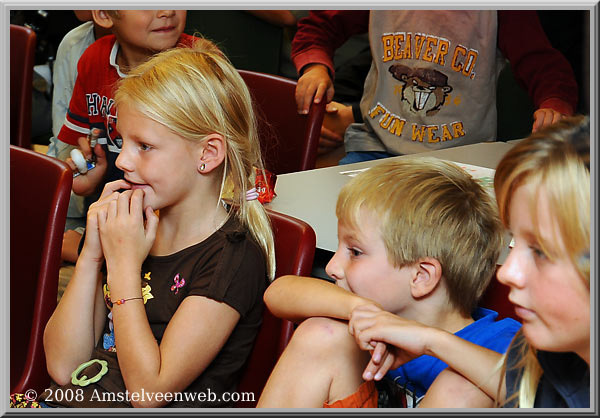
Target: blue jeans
359 156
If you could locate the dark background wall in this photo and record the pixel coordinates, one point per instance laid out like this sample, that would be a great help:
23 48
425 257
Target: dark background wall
567 31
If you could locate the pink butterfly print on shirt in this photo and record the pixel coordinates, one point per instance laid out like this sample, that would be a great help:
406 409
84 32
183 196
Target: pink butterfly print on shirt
179 283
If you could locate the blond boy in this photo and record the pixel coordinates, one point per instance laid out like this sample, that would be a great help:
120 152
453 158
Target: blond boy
418 238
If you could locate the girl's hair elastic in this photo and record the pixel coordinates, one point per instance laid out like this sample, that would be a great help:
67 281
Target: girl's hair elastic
252 194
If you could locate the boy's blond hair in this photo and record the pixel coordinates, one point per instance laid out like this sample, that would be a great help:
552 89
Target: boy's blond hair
196 92
557 161
430 208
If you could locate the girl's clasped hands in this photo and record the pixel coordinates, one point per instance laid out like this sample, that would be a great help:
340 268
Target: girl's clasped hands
120 229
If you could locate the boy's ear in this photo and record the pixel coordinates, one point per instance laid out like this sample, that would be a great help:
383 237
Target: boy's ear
103 19
211 153
428 272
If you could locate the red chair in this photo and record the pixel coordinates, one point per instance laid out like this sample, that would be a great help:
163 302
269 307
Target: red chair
40 187
289 141
495 297
295 243
22 59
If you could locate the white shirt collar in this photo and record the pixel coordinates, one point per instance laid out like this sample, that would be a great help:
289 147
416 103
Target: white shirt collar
113 58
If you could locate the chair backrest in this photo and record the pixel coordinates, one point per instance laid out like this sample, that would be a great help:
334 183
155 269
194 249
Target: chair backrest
495 297
40 187
289 141
295 243
22 59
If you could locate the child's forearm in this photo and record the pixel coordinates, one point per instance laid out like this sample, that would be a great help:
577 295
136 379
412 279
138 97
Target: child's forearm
137 349
296 298
451 389
149 366
480 365
76 324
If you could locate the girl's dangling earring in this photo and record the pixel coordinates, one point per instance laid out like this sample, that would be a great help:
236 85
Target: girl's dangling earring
202 167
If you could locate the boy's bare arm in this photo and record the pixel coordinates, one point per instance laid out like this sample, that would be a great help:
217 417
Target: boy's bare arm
297 298
480 365
452 390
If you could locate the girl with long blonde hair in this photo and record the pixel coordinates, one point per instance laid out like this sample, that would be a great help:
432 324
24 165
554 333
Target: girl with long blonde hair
166 299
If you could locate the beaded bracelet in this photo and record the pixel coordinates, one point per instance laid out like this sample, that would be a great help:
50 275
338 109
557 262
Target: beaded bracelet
122 301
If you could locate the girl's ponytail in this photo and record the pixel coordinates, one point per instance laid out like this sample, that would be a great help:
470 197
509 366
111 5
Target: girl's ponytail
258 223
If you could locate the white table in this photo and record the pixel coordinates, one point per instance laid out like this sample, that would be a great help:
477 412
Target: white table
312 195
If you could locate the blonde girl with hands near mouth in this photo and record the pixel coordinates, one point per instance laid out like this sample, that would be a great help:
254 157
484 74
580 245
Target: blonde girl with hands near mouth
182 288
